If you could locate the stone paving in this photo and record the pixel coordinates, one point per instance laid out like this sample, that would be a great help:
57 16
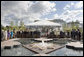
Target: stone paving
45 51
41 55
21 51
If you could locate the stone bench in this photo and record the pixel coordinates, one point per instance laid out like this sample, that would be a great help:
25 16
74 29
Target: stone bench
75 45
9 44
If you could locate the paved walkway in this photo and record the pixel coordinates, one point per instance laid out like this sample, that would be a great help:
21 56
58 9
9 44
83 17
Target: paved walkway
10 43
45 51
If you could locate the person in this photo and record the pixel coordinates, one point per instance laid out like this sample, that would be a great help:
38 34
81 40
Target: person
55 32
82 35
11 33
61 34
5 35
46 32
52 33
8 34
73 33
67 34
18 34
78 35
2 35
49 31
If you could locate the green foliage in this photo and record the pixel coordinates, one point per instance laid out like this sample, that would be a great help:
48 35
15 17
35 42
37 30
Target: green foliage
11 23
81 29
22 27
64 27
12 26
2 27
74 25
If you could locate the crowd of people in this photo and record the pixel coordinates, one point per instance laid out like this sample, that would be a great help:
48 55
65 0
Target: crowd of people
7 34
27 34
74 34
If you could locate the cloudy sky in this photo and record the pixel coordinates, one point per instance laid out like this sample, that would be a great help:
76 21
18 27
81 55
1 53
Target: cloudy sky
28 11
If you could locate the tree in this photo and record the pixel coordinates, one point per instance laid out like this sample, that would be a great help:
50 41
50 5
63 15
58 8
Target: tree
2 27
64 26
16 26
72 25
22 27
75 25
77 22
11 25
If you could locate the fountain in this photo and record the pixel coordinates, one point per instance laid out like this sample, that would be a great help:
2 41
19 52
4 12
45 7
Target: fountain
42 47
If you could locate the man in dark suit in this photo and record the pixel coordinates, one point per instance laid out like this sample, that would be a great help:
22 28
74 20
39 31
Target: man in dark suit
73 33
61 34
78 35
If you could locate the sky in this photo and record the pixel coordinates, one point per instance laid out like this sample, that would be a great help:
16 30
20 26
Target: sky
28 11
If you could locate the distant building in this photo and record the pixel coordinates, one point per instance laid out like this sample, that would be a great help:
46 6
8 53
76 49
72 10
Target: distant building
69 24
81 25
58 21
